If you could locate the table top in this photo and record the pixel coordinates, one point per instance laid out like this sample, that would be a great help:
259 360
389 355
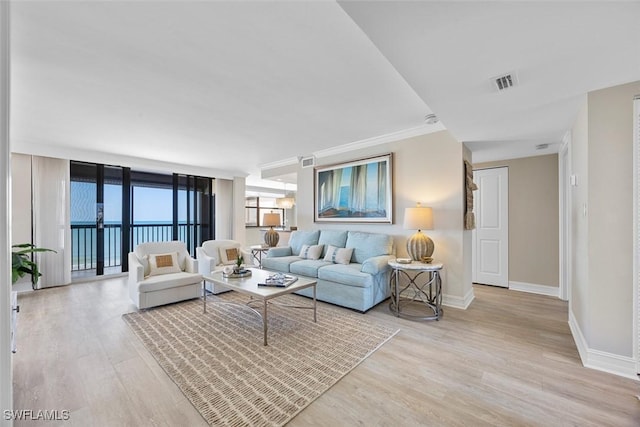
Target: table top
416 265
259 248
249 285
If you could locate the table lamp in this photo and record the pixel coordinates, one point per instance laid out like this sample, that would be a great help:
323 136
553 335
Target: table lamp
271 237
419 246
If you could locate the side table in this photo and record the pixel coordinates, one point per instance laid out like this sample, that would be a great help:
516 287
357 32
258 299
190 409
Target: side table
257 251
424 286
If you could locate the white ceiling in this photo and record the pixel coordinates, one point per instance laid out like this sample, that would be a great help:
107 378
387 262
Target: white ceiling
228 86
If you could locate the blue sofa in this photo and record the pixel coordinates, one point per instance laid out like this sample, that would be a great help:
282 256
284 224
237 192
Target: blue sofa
360 284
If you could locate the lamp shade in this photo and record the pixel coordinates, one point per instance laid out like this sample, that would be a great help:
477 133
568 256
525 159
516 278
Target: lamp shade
418 218
271 220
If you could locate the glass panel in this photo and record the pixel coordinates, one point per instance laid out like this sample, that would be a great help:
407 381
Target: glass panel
83 216
152 208
112 220
251 217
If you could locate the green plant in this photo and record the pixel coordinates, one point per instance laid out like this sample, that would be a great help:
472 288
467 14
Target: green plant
239 261
22 264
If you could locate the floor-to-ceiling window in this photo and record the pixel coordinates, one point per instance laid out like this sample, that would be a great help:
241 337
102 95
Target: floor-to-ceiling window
114 209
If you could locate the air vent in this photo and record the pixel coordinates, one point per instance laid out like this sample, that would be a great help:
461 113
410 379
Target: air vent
542 146
308 162
505 81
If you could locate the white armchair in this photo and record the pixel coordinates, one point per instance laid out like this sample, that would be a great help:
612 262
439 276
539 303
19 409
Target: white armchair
161 273
213 255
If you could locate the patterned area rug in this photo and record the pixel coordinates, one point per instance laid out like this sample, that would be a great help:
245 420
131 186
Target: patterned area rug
218 360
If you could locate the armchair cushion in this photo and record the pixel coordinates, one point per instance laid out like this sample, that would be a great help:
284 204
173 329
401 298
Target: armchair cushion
229 254
163 264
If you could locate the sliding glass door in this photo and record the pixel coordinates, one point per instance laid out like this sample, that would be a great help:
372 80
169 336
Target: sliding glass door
113 209
96 219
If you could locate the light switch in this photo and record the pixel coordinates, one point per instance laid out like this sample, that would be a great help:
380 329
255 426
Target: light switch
574 180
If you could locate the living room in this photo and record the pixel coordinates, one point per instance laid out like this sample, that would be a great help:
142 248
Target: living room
126 85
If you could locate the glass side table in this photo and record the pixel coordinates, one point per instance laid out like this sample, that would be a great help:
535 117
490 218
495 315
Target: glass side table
423 288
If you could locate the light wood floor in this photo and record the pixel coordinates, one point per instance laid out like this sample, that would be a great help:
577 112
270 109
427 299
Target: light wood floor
509 360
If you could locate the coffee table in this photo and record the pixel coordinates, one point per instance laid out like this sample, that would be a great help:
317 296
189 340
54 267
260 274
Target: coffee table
259 294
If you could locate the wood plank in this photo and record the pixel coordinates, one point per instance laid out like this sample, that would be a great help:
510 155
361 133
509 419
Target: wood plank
509 359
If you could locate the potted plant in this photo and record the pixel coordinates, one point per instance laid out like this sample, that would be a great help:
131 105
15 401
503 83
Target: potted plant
22 264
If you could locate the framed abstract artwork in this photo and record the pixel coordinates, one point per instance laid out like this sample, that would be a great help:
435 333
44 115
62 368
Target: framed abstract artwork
357 191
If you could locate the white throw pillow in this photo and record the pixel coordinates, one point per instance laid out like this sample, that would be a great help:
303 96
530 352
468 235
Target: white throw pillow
163 264
311 251
338 255
229 255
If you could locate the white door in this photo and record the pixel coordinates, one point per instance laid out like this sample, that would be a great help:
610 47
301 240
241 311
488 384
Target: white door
491 236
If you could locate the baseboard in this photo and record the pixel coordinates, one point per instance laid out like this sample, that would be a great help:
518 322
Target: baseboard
458 302
600 360
532 288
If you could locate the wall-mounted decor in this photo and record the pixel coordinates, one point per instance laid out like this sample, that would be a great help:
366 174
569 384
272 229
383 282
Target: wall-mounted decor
470 187
357 191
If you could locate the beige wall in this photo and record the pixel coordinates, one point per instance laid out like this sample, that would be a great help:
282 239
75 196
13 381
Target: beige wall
533 218
602 234
610 218
579 229
427 169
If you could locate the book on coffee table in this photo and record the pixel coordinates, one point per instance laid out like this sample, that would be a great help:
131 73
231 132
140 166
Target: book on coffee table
278 280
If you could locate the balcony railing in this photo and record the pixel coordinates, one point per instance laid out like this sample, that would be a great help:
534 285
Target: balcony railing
84 241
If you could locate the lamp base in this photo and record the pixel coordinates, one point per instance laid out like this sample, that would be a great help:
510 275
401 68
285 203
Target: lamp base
420 246
271 237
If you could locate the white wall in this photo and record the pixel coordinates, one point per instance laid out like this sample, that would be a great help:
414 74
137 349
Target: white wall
427 169
224 208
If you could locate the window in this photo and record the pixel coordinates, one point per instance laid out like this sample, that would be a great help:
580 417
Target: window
256 207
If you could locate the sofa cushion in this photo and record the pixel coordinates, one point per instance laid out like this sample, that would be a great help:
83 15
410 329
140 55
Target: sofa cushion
367 245
308 267
338 255
336 238
160 264
279 263
300 237
349 274
311 251
166 281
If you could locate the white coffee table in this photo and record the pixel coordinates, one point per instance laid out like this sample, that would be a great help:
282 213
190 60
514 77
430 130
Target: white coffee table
259 294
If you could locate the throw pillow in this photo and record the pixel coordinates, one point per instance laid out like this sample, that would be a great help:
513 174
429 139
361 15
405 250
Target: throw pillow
338 255
163 264
229 255
311 251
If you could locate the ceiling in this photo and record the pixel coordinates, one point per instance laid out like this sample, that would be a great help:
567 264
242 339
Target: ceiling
226 87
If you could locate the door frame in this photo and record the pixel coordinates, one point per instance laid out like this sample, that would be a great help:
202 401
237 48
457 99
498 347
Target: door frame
565 221
636 231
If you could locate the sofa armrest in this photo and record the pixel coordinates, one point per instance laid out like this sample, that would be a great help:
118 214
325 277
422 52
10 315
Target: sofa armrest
136 269
191 265
376 264
277 252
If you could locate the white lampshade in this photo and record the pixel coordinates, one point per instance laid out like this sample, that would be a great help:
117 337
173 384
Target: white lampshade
271 220
418 218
